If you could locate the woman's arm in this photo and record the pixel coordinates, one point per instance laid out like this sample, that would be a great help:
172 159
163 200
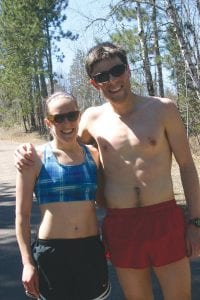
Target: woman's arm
25 181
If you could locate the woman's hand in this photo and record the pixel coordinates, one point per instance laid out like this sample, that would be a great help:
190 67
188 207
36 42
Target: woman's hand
30 280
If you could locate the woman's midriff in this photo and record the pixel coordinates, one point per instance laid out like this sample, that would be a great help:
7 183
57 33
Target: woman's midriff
68 220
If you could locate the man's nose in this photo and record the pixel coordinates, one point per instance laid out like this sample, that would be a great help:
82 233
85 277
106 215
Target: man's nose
111 77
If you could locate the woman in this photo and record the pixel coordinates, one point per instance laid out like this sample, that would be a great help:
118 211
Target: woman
67 260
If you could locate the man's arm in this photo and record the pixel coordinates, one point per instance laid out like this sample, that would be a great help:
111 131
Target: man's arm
85 135
85 125
179 144
100 195
100 198
24 156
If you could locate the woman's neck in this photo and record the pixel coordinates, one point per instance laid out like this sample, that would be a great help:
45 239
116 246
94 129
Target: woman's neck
69 153
66 147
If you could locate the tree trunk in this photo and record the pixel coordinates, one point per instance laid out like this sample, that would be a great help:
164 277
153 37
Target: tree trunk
157 50
192 31
43 85
145 54
198 5
49 57
192 70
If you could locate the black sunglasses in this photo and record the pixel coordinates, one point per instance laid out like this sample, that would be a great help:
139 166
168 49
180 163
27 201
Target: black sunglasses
71 116
116 71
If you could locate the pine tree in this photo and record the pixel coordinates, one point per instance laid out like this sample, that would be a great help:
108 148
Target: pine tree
28 34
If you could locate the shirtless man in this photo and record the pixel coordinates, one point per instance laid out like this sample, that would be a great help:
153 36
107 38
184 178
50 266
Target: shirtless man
144 229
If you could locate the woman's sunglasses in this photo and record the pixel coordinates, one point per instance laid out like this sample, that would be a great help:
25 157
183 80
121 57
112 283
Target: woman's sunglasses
116 71
71 116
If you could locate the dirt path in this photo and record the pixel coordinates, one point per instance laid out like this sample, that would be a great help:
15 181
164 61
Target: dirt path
7 169
10 287
7 181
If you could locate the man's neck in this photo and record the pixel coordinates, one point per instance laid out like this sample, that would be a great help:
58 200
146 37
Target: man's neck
126 106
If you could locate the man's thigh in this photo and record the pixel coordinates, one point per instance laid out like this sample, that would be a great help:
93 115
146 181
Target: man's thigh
175 280
136 283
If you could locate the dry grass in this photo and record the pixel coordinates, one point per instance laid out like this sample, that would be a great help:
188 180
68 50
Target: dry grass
16 134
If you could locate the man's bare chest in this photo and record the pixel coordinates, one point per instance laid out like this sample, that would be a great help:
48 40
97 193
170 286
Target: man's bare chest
129 138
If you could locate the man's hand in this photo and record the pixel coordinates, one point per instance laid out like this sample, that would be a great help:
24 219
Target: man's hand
193 241
24 156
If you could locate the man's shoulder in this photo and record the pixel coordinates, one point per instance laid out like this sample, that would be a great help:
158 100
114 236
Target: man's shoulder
159 102
94 112
166 105
166 109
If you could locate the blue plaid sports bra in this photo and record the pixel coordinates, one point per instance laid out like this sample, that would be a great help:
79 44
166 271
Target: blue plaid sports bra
63 183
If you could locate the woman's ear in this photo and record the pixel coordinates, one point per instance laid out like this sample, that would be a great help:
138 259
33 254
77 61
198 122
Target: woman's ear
94 84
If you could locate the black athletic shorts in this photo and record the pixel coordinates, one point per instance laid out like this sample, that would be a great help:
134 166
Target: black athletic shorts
72 269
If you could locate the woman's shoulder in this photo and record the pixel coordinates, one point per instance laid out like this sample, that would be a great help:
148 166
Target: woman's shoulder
40 149
39 156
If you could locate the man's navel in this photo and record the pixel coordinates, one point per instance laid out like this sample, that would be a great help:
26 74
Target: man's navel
152 141
105 148
138 196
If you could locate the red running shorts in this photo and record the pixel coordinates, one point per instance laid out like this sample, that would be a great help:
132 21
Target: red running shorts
150 236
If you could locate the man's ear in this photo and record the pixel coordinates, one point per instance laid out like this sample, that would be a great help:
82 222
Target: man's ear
129 71
94 84
47 123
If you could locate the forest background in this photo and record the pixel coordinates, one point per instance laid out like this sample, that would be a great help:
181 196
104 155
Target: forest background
162 39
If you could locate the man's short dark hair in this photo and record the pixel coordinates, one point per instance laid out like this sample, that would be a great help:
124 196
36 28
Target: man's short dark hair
103 51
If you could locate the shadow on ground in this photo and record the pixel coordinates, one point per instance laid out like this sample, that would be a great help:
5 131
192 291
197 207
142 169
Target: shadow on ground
10 262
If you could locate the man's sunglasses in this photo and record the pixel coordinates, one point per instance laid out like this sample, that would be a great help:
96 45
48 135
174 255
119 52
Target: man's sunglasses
115 71
71 116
